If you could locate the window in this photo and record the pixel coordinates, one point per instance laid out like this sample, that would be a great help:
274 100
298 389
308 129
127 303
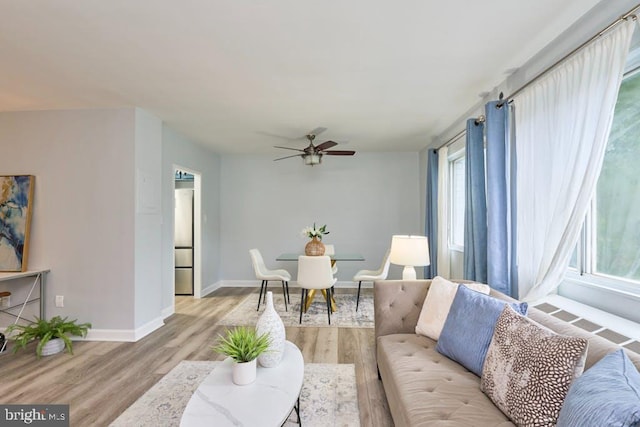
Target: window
609 250
457 200
617 202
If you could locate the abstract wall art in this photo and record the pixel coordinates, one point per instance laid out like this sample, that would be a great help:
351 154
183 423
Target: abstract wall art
16 205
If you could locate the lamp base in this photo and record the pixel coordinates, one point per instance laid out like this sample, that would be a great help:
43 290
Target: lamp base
409 273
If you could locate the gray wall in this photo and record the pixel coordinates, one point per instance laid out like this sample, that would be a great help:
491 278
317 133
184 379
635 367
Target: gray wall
83 219
179 151
148 218
108 237
364 200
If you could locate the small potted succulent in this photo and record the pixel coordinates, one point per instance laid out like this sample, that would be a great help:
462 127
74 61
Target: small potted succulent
243 345
53 335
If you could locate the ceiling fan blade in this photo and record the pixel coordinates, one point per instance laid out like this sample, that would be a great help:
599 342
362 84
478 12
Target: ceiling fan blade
317 131
288 157
325 145
340 152
282 137
288 148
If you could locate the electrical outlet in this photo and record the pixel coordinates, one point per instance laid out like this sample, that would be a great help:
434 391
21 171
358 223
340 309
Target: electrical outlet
59 301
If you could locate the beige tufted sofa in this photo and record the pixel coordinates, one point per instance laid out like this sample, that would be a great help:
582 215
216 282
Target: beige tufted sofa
425 388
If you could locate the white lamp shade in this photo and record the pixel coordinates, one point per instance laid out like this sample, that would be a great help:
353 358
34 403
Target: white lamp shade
409 250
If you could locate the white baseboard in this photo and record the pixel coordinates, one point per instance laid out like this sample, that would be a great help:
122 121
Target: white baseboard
133 335
166 312
206 291
124 335
292 284
243 283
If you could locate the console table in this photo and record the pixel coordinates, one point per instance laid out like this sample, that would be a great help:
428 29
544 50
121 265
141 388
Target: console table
266 402
39 278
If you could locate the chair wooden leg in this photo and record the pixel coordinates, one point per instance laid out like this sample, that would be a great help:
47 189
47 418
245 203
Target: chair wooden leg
358 298
262 287
284 296
302 303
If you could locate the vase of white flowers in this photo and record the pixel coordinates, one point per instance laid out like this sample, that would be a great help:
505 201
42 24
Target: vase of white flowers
315 247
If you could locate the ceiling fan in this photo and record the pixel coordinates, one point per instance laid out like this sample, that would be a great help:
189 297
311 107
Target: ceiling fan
312 155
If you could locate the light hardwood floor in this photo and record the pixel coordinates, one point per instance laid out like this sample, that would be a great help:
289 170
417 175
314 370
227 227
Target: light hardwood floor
102 379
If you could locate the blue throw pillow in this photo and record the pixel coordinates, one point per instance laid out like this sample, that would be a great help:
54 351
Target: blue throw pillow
607 394
468 330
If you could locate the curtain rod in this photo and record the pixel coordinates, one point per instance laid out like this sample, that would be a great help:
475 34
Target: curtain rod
623 17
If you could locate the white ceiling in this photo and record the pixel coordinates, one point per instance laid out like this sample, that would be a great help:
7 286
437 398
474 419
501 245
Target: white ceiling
382 75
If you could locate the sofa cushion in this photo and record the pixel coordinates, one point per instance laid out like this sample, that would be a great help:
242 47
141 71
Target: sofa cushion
425 388
467 332
528 369
437 304
607 394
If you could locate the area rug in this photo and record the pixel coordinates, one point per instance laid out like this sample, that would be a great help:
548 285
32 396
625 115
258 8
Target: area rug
328 398
345 317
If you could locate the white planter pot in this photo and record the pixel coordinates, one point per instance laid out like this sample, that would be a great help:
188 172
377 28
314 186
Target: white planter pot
53 346
244 373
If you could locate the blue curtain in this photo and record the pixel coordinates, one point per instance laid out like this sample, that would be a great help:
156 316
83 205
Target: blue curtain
475 215
431 219
498 201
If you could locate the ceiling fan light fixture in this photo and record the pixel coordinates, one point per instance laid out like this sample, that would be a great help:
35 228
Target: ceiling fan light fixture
312 159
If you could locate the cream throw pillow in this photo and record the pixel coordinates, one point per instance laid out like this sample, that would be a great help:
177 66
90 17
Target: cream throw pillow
437 304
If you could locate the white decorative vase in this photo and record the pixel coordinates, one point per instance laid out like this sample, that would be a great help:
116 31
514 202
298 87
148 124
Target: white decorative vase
269 322
53 346
243 373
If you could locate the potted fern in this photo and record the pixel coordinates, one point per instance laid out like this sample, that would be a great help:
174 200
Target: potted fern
243 345
53 335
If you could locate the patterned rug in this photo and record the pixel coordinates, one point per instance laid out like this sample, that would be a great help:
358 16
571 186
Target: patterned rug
345 317
328 398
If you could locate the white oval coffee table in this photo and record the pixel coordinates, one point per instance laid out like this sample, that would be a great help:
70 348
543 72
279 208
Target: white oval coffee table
266 402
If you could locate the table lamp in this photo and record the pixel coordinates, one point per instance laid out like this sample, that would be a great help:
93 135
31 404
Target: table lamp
410 251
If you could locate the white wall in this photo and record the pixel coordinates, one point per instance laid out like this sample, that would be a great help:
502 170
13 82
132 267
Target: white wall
83 223
363 199
179 151
148 220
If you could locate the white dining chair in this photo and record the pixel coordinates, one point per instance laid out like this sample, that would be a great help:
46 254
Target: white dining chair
330 251
314 272
371 275
264 274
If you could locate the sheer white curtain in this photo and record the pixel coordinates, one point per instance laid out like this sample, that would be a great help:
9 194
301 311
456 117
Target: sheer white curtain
443 219
562 125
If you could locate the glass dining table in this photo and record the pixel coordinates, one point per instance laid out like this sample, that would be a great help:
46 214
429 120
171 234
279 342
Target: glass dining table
334 258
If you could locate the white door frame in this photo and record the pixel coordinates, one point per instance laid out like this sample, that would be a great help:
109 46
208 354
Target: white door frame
197 229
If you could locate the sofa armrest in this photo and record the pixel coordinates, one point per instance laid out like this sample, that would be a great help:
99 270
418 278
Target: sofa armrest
397 305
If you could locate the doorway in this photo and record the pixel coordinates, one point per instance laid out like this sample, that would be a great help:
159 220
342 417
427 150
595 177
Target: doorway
184 233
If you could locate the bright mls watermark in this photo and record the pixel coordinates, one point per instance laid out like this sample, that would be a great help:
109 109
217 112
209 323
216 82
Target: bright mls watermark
34 415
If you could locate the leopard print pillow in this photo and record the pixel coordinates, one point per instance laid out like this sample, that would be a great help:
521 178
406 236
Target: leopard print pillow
528 369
